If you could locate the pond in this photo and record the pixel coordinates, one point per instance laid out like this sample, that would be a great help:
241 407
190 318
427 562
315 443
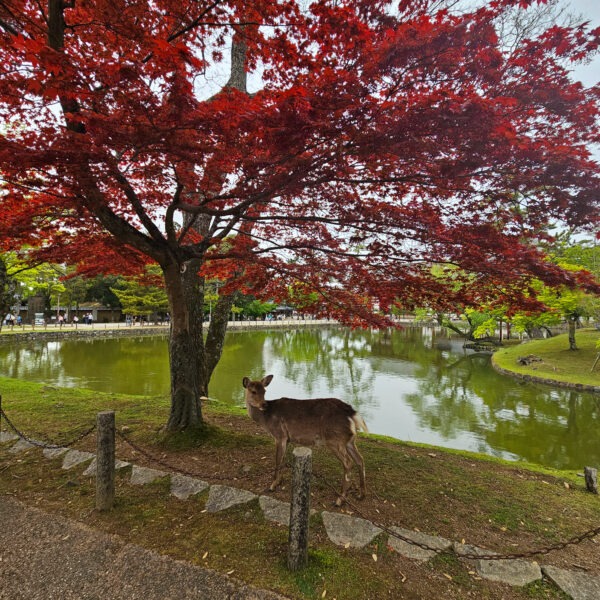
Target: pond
413 384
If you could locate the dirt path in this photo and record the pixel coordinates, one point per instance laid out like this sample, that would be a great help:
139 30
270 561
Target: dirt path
47 557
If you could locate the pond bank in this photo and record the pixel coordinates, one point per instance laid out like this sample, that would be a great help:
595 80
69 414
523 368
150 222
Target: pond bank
101 330
557 365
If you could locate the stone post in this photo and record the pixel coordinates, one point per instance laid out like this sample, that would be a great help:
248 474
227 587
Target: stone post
591 479
105 460
300 509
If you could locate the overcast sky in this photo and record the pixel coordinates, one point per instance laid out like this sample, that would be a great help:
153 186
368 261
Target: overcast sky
590 9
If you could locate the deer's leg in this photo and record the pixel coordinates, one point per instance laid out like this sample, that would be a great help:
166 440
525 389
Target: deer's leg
342 454
280 448
360 463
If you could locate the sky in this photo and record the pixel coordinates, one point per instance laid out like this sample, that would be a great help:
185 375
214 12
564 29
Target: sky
590 9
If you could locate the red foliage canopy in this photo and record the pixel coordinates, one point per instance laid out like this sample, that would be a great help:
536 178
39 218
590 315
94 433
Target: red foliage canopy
378 141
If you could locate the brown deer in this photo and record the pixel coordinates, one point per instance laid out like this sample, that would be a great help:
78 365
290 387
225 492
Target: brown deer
327 421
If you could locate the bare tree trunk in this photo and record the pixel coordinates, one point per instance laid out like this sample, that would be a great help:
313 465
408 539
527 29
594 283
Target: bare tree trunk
572 326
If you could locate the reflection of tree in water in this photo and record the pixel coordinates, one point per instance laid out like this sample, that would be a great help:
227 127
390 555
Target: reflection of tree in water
137 365
19 361
534 422
242 357
445 402
333 358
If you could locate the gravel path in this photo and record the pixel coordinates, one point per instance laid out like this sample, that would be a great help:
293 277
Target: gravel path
48 557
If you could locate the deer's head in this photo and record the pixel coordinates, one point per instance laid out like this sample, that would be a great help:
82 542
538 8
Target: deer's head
255 391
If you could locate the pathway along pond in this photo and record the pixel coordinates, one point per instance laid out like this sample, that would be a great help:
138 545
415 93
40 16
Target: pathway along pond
414 384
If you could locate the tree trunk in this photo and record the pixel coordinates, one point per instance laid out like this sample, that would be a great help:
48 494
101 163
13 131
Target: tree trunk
185 289
572 325
215 339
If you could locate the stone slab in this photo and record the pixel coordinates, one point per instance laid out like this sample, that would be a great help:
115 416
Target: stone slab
411 551
513 572
75 457
275 510
183 487
144 475
21 446
462 549
7 436
91 470
580 586
345 530
54 452
221 497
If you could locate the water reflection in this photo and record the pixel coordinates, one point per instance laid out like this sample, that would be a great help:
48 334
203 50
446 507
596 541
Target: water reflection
412 384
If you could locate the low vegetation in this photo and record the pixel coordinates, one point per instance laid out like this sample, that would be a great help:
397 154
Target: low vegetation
502 506
557 361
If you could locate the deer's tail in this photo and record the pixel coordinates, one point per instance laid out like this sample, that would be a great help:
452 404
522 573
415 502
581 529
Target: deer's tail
360 424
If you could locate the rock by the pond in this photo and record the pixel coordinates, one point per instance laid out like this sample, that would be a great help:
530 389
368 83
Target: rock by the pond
580 586
345 530
75 457
415 552
6 436
54 452
20 446
275 510
144 475
183 487
222 497
91 470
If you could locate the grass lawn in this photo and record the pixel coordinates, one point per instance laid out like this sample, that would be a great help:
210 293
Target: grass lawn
502 506
558 362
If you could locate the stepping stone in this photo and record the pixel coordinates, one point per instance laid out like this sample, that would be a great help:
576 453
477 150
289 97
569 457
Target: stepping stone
348 531
143 475
183 487
410 551
580 586
75 457
91 470
6 436
222 497
54 452
461 549
20 446
513 572
275 510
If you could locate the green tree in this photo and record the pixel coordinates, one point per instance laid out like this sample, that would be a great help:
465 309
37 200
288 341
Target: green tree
142 296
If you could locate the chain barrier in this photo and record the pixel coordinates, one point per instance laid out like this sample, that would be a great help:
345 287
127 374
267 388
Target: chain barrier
159 461
40 444
587 535
590 534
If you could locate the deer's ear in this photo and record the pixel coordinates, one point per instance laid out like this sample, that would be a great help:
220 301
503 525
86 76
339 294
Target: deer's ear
245 381
267 380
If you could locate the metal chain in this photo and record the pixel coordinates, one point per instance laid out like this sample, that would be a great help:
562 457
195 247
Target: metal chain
592 533
40 444
167 465
468 555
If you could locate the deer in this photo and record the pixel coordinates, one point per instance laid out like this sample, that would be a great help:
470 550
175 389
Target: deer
313 422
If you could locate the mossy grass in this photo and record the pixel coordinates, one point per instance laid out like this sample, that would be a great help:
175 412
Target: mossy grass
558 362
459 495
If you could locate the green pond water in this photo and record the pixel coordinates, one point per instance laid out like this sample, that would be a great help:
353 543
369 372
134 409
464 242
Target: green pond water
414 384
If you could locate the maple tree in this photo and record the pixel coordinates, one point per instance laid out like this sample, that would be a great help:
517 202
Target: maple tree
376 139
